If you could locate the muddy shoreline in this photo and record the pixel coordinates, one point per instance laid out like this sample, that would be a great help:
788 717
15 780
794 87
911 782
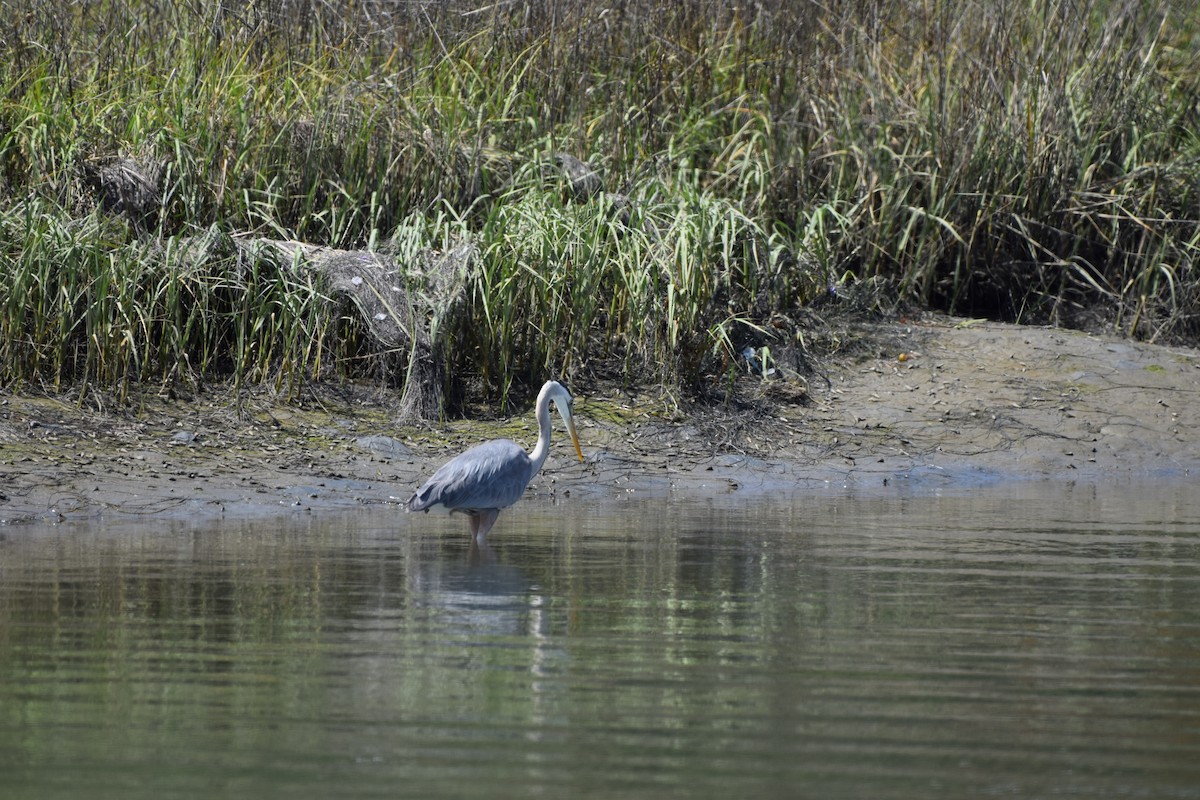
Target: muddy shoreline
940 403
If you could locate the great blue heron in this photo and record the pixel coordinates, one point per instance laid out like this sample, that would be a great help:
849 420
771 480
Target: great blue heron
493 475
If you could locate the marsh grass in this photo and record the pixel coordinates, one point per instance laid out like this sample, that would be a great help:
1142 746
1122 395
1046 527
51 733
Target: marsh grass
1036 162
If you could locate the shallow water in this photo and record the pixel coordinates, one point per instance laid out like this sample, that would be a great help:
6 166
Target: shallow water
1030 641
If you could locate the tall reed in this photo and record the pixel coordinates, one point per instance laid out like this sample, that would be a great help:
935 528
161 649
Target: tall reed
1028 161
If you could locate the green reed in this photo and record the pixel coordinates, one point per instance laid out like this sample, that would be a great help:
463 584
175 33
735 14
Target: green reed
83 305
1028 161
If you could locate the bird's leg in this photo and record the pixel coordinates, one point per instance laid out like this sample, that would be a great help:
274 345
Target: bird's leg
482 522
480 552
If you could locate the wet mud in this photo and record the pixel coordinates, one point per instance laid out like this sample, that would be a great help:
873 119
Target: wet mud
939 403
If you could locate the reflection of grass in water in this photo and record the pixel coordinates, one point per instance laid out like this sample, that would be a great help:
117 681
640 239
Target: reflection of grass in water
987 160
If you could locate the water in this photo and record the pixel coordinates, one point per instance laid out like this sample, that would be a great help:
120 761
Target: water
1032 642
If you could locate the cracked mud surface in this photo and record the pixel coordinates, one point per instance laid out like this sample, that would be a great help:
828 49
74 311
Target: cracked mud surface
940 403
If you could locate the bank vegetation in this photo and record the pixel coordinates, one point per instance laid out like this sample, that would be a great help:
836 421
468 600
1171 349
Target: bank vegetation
650 191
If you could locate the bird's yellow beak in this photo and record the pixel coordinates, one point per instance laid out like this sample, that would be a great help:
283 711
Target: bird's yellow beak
574 437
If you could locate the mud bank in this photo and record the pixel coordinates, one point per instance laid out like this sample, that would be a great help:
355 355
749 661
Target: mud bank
941 403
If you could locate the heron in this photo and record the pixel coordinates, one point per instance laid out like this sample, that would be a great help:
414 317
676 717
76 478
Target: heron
492 476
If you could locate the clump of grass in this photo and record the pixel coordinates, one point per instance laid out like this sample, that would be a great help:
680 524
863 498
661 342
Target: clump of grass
642 282
83 304
1028 162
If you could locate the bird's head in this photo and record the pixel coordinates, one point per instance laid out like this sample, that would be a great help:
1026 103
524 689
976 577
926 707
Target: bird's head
566 406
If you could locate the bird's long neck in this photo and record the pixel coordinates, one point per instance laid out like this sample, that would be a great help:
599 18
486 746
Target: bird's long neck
542 448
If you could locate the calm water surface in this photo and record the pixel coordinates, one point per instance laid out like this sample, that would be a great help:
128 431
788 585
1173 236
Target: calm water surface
1028 642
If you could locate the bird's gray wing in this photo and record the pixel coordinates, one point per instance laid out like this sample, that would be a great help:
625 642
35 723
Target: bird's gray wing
490 475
